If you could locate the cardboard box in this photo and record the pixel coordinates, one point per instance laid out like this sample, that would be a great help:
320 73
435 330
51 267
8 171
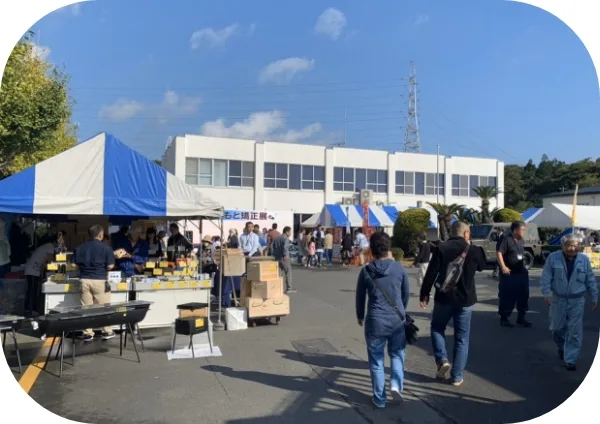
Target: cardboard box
275 307
234 266
198 313
245 290
226 253
262 271
266 289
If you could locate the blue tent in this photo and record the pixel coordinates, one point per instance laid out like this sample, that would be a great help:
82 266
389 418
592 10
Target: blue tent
102 176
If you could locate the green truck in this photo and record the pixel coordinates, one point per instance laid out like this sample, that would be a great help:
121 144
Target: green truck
486 236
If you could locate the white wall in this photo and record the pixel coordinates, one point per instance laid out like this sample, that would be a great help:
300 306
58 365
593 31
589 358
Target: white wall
261 198
582 199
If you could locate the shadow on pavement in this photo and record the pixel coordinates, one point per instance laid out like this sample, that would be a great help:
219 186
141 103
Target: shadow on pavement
513 375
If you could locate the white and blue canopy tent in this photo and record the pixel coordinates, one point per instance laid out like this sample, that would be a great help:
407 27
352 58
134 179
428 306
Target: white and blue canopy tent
530 214
103 177
348 215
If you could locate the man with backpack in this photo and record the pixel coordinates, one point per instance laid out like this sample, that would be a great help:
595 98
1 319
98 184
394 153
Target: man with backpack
452 271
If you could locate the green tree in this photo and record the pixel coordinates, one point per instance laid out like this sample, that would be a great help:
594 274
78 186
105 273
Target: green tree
486 193
409 228
35 110
445 214
465 215
507 215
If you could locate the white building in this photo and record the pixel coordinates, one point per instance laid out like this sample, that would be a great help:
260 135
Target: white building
587 196
273 176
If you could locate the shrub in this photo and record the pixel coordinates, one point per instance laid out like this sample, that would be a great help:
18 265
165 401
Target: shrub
398 253
507 215
408 229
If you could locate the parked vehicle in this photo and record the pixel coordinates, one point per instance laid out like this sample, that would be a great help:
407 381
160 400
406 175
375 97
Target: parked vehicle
486 236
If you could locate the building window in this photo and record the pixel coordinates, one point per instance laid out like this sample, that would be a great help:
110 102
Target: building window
405 182
313 177
420 183
219 173
431 188
241 174
350 180
294 177
191 171
376 180
276 175
460 185
480 181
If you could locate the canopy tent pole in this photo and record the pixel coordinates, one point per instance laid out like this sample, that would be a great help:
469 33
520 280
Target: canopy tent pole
219 326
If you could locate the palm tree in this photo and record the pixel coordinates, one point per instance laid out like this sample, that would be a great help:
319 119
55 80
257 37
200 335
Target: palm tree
445 214
486 193
465 215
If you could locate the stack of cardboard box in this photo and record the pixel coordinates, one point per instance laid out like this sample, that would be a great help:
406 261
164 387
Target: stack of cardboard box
262 290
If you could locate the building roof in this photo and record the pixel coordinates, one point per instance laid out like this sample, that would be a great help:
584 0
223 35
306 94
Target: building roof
583 190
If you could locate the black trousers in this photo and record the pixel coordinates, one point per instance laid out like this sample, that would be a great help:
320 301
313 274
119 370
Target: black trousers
513 290
34 301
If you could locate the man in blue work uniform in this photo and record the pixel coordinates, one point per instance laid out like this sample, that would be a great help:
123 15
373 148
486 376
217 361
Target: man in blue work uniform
513 287
134 261
566 279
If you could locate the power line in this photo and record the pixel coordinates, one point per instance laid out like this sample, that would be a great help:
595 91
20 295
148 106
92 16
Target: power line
212 88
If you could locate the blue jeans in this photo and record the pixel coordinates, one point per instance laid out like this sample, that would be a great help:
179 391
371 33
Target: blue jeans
462 328
329 256
319 258
396 344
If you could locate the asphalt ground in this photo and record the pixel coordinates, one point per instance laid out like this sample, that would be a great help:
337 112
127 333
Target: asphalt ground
312 368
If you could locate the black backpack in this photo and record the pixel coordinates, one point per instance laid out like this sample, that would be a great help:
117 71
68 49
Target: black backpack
453 272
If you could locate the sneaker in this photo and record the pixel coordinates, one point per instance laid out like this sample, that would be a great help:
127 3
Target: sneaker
571 367
442 371
457 383
377 405
290 291
396 394
108 336
87 338
524 324
506 323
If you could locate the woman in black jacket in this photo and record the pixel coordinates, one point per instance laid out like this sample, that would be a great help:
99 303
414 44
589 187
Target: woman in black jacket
346 252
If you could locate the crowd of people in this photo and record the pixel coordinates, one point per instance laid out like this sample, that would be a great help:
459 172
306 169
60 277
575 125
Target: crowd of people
450 267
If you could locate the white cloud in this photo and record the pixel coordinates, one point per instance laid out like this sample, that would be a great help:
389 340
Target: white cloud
121 110
211 37
42 52
331 23
260 126
422 20
173 106
284 70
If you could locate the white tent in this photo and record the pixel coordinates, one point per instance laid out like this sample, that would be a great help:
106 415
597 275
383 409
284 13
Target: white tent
313 221
559 215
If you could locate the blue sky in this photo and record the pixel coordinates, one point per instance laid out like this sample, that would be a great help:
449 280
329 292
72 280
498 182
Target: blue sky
496 79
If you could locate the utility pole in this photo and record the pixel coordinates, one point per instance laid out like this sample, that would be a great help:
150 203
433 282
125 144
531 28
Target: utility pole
412 141
437 175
